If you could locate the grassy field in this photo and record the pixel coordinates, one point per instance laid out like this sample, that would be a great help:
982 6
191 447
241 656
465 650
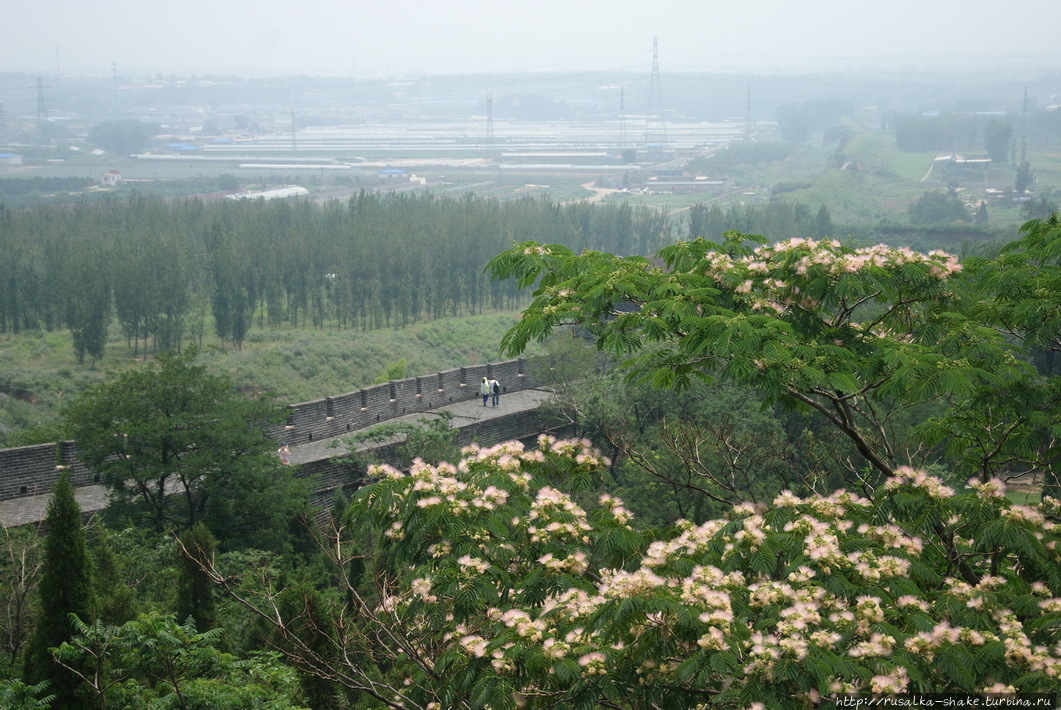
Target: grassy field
866 179
1025 495
39 372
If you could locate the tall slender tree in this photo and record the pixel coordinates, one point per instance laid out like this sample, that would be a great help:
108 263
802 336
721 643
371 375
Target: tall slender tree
195 591
65 589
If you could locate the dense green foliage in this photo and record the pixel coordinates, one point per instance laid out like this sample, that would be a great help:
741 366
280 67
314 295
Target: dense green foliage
155 662
178 446
954 131
290 364
195 594
168 271
938 207
859 336
493 587
775 221
696 452
833 425
65 588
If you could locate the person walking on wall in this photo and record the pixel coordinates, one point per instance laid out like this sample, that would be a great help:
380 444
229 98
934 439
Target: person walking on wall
484 390
285 454
495 392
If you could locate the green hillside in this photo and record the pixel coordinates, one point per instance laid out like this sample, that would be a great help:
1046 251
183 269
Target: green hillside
40 372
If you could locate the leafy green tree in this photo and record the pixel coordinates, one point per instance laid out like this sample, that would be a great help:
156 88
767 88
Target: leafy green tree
393 371
938 208
227 182
492 583
150 287
1025 283
568 357
998 134
233 302
88 302
981 213
824 223
154 662
1040 207
116 601
187 446
312 630
859 336
20 571
1025 177
16 695
776 220
195 593
686 454
65 589
374 261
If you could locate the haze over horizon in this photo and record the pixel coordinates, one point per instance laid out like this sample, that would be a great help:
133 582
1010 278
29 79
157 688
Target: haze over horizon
406 38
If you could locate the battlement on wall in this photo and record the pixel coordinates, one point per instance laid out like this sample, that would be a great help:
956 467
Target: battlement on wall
33 470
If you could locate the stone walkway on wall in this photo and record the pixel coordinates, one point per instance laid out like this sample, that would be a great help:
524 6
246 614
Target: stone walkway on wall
32 509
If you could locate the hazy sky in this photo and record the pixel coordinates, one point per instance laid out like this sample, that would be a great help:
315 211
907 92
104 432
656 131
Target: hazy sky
392 38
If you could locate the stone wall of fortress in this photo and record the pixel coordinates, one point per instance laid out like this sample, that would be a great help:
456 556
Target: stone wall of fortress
32 470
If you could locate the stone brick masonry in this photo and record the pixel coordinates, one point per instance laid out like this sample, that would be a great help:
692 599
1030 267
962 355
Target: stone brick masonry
28 473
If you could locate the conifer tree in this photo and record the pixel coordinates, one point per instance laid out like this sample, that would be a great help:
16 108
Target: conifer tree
195 591
115 600
65 589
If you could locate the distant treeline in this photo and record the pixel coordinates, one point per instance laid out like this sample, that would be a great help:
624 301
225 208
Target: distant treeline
775 220
169 271
780 219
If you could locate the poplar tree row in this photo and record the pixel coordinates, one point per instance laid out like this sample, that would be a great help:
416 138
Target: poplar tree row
166 272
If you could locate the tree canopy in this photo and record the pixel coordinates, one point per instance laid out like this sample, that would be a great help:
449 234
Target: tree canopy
494 583
516 576
858 335
186 446
65 588
159 268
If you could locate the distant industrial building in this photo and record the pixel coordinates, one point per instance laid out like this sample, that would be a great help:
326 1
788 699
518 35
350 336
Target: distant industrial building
685 183
274 194
10 159
394 174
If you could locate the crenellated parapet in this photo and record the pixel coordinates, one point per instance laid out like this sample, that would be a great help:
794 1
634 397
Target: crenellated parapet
33 470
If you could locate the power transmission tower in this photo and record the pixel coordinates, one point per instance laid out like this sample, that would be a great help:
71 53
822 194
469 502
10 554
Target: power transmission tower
294 136
114 74
42 113
748 117
655 126
622 118
1024 129
490 119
